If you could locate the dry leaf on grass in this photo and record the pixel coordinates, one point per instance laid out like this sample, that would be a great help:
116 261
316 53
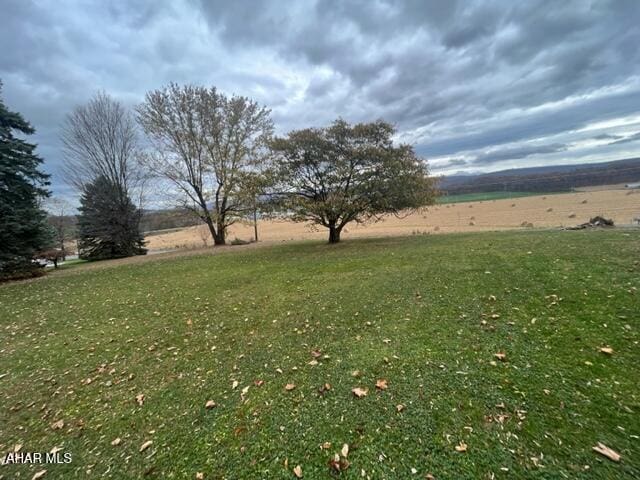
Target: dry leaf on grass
289 386
116 442
39 474
461 447
399 407
607 350
500 356
345 450
234 385
356 373
316 353
57 425
258 383
297 471
140 399
146 445
324 388
602 449
210 404
381 384
199 476
338 464
359 392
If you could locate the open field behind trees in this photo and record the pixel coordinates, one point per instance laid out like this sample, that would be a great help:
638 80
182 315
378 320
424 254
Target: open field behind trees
134 352
619 204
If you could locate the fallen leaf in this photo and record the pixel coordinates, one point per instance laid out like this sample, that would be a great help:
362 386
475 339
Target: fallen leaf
234 385
324 388
360 392
39 474
258 383
607 350
289 386
140 399
325 446
146 445
381 384
57 425
199 476
17 447
500 356
461 447
245 390
399 407
356 373
602 449
345 450
116 442
316 353
210 404
297 471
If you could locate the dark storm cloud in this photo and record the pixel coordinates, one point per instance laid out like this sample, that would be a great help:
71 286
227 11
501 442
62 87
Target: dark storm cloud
458 78
607 136
516 153
454 162
631 138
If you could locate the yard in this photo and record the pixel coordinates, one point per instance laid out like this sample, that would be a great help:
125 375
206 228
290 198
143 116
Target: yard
475 356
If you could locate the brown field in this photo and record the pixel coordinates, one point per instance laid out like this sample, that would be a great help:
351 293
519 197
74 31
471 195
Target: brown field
541 211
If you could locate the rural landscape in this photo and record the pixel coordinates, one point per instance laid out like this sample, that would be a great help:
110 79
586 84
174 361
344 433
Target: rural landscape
407 249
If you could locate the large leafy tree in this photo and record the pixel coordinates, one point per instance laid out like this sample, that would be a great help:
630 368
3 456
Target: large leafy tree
23 228
342 173
108 226
208 147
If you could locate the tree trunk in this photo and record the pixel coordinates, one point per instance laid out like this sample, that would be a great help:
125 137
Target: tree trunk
334 234
220 236
212 229
255 224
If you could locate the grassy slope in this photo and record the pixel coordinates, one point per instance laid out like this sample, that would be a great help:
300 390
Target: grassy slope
486 196
181 331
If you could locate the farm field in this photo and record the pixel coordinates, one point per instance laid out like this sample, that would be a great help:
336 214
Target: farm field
485 349
541 211
484 196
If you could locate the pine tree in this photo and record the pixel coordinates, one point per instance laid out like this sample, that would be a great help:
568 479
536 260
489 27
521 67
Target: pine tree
23 228
109 223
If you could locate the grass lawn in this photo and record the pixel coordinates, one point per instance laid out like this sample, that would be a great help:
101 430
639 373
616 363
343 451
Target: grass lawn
426 313
486 196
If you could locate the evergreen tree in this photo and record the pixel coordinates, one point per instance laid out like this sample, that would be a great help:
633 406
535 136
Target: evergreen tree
109 222
23 228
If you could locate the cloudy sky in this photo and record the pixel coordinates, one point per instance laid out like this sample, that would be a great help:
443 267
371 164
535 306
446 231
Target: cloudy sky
474 86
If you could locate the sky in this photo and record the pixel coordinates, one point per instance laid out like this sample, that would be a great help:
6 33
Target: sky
473 86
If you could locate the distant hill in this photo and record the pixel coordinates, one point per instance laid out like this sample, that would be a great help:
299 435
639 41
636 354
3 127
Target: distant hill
551 178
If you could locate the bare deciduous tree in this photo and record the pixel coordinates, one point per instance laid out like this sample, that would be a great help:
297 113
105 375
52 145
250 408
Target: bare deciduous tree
100 140
207 146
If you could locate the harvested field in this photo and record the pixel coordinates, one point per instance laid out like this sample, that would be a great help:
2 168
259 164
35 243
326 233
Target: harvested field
541 211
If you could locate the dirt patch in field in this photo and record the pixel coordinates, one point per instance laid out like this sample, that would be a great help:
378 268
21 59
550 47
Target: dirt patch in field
543 211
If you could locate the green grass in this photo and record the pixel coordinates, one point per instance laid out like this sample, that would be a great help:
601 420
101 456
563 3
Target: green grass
416 311
485 196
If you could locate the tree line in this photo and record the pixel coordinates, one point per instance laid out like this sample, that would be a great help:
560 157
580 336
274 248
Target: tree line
215 156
